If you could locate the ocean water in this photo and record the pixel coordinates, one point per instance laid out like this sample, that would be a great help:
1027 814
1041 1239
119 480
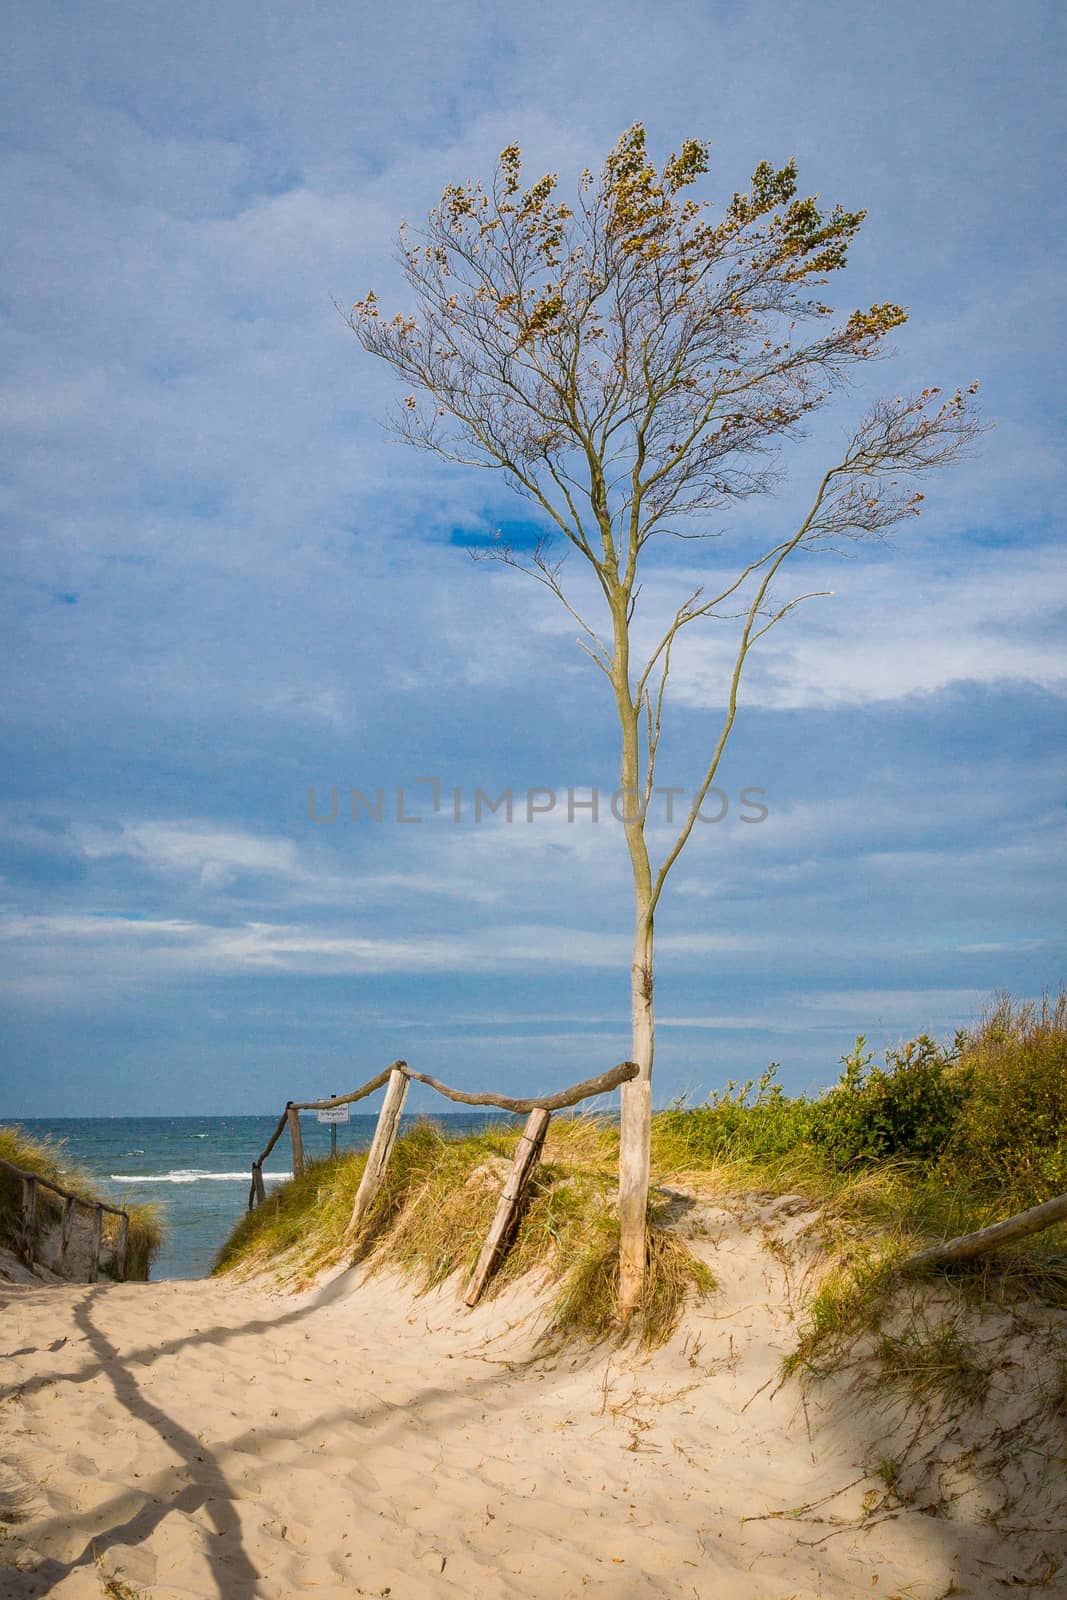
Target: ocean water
197 1170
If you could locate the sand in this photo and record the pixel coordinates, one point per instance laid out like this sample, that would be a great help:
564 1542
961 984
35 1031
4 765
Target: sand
216 1439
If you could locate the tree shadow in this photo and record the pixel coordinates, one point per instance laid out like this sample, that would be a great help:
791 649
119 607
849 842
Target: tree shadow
233 1572
219 1334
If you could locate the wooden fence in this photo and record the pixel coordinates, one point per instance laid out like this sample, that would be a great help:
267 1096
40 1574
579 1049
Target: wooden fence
398 1076
31 1183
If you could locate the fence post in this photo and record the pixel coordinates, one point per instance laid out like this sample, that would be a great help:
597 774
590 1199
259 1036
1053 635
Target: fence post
293 1117
29 1219
94 1243
381 1146
258 1190
122 1247
66 1227
527 1154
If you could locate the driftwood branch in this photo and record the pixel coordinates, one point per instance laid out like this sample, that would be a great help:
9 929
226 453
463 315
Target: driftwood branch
549 1102
256 1192
970 1245
399 1075
283 1122
356 1094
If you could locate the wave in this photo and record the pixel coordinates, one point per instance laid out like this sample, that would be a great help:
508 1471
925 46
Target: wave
188 1175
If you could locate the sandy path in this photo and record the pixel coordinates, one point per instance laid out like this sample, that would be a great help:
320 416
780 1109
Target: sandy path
209 1439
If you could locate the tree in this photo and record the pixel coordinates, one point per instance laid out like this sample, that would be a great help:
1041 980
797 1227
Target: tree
630 365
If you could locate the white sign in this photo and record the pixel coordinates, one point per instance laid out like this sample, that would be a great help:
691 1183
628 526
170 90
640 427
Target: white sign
334 1114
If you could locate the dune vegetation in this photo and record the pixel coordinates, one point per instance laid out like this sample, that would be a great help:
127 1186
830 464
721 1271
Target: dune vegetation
936 1141
46 1159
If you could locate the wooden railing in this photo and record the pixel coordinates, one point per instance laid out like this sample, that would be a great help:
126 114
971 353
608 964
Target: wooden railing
398 1076
31 1182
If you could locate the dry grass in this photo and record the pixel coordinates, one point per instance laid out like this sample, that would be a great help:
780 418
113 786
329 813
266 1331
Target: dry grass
435 1206
975 1133
48 1159
933 1358
299 1228
587 1305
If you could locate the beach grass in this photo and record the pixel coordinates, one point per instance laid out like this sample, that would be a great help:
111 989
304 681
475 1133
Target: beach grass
46 1158
937 1141
432 1213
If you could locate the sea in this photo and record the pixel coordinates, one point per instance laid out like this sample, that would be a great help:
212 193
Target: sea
197 1170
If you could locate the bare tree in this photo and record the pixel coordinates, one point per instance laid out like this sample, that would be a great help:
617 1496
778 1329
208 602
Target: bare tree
631 365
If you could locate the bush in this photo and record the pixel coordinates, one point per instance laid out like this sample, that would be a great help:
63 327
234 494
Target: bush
734 1125
907 1110
1012 1132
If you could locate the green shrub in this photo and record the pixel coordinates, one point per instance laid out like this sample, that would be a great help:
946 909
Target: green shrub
907 1110
734 1125
1012 1131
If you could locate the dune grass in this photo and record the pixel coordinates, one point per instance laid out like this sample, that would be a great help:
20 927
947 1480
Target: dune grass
432 1214
47 1159
938 1141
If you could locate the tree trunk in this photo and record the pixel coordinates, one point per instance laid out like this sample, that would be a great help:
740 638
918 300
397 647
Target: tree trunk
635 1133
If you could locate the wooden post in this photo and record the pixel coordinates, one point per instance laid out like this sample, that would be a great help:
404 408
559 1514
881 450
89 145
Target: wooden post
122 1247
381 1147
94 1243
293 1116
66 1227
29 1220
527 1154
258 1189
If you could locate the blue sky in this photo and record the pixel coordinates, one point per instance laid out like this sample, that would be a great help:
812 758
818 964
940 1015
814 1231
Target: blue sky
222 582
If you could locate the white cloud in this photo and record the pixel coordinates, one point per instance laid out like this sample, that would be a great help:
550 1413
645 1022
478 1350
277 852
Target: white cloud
264 594
920 624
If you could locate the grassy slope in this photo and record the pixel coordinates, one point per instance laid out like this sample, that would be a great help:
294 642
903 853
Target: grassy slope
935 1143
47 1160
435 1207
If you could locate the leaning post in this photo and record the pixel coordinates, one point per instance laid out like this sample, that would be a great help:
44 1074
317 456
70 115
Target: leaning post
527 1155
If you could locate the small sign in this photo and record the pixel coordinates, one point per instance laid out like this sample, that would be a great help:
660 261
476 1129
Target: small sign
334 1114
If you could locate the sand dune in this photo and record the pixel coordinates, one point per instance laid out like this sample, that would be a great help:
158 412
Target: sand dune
212 1439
